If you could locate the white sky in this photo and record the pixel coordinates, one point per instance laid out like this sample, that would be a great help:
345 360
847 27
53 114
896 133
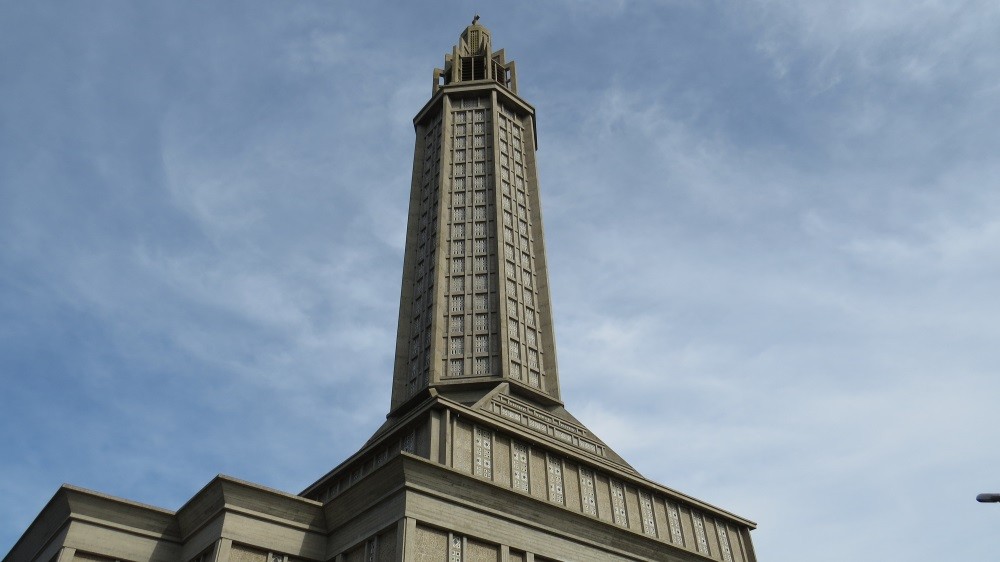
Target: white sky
773 232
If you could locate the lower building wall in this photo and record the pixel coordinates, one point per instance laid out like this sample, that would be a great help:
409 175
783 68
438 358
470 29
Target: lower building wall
528 468
430 544
442 531
377 548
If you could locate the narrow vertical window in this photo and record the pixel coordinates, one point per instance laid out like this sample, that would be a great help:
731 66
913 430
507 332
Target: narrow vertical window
554 465
515 350
699 533
646 510
534 379
618 504
674 518
727 551
587 496
483 452
515 371
519 465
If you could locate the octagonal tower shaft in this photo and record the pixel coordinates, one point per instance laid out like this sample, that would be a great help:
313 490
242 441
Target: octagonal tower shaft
475 307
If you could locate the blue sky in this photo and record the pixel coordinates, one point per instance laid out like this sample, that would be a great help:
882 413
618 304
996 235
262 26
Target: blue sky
773 232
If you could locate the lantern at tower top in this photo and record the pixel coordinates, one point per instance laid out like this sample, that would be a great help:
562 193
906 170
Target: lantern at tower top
473 59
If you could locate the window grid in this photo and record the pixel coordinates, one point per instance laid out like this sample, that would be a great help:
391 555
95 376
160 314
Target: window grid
423 285
469 247
512 170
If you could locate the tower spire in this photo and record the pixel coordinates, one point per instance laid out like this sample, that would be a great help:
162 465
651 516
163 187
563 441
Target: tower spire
475 308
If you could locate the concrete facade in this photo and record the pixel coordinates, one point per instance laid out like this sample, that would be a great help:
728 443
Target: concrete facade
478 458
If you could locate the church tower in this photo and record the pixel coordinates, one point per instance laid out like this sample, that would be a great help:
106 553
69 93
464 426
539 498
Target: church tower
478 459
475 306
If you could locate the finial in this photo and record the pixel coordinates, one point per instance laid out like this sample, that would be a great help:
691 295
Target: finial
475 19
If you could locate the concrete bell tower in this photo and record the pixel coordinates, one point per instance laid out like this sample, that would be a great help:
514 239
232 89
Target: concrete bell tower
475 308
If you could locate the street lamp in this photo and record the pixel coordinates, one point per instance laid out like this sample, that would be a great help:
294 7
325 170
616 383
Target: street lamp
988 498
